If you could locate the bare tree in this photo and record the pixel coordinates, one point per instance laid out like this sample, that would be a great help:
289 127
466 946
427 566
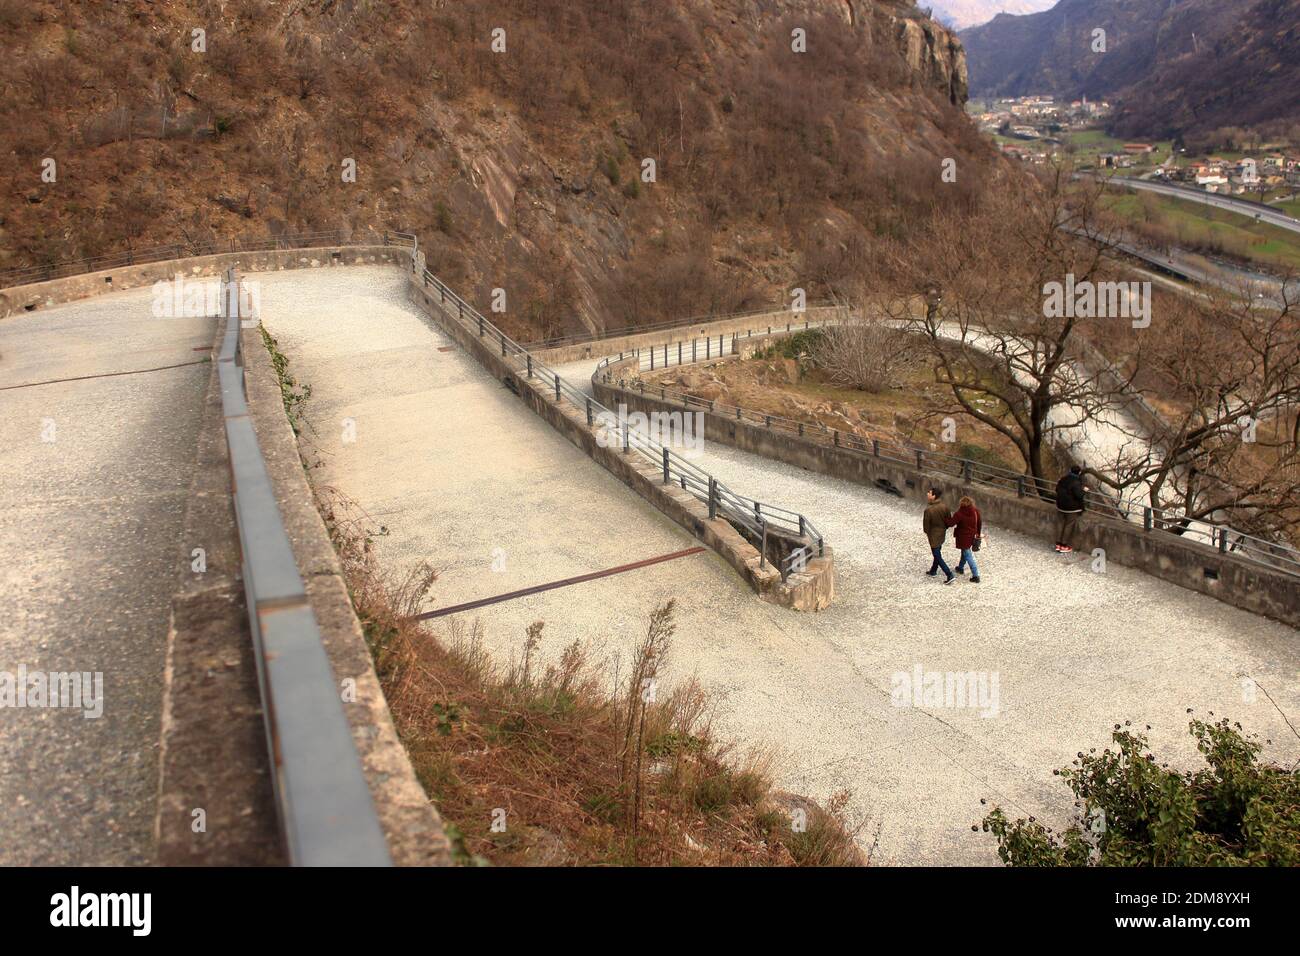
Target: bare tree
1225 370
978 279
864 349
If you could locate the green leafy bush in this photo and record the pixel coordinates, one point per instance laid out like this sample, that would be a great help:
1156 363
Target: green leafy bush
792 346
1235 811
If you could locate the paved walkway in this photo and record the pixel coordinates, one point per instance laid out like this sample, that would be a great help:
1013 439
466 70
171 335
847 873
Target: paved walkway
465 476
89 559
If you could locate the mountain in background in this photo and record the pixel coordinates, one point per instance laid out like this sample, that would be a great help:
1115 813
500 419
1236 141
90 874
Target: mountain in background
520 169
1173 67
960 14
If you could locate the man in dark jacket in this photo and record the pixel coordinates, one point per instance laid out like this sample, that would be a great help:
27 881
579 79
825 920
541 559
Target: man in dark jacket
1069 508
935 524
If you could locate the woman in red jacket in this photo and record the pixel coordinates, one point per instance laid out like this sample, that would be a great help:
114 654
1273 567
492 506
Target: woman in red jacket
970 529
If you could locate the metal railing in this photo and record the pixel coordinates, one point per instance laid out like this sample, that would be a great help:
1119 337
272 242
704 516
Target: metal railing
669 325
705 348
757 518
1228 541
324 805
22 275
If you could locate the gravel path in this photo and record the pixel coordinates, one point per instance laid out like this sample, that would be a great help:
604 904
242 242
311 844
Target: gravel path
463 475
89 559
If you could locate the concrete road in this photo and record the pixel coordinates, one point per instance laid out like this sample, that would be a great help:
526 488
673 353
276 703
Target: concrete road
93 483
462 475
1273 217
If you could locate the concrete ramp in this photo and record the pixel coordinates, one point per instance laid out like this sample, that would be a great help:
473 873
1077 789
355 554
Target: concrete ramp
463 475
101 406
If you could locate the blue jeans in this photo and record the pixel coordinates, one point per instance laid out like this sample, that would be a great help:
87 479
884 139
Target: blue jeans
968 557
939 563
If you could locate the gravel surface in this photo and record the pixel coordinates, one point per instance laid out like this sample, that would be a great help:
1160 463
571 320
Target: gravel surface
464 476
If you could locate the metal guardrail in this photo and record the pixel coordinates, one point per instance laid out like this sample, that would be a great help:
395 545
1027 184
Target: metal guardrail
1226 540
706 348
22 275
326 812
579 338
754 516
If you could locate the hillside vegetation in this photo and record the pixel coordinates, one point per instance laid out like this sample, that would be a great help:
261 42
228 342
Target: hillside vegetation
520 169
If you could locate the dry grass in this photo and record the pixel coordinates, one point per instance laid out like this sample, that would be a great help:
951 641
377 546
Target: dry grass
536 761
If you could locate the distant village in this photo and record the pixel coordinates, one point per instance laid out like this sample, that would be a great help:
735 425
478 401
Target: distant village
1034 129
1039 117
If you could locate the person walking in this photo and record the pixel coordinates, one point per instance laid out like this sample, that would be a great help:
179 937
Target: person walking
936 523
1069 508
969 535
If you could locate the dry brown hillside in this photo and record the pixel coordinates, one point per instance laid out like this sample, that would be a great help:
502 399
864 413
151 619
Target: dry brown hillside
520 168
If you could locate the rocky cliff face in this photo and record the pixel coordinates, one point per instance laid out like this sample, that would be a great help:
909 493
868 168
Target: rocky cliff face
603 167
935 54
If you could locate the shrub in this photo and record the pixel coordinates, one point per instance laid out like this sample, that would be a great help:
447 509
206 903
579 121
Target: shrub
865 352
609 166
1133 812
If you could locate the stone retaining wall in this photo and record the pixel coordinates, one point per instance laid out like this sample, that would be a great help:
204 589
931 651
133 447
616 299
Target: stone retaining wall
1187 563
43 295
756 324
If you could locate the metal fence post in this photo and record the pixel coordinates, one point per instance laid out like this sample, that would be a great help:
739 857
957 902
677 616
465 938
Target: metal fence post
1020 486
713 497
666 476
1223 540
589 418
920 460
557 386
875 447
965 470
1146 519
530 361
480 326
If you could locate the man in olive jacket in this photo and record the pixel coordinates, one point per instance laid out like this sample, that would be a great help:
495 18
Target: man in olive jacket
935 524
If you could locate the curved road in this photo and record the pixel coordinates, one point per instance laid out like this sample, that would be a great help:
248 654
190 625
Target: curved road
1253 210
422 440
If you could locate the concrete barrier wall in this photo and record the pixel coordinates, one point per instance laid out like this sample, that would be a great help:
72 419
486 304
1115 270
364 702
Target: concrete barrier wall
757 324
411 824
1186 563
42 295
811 589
